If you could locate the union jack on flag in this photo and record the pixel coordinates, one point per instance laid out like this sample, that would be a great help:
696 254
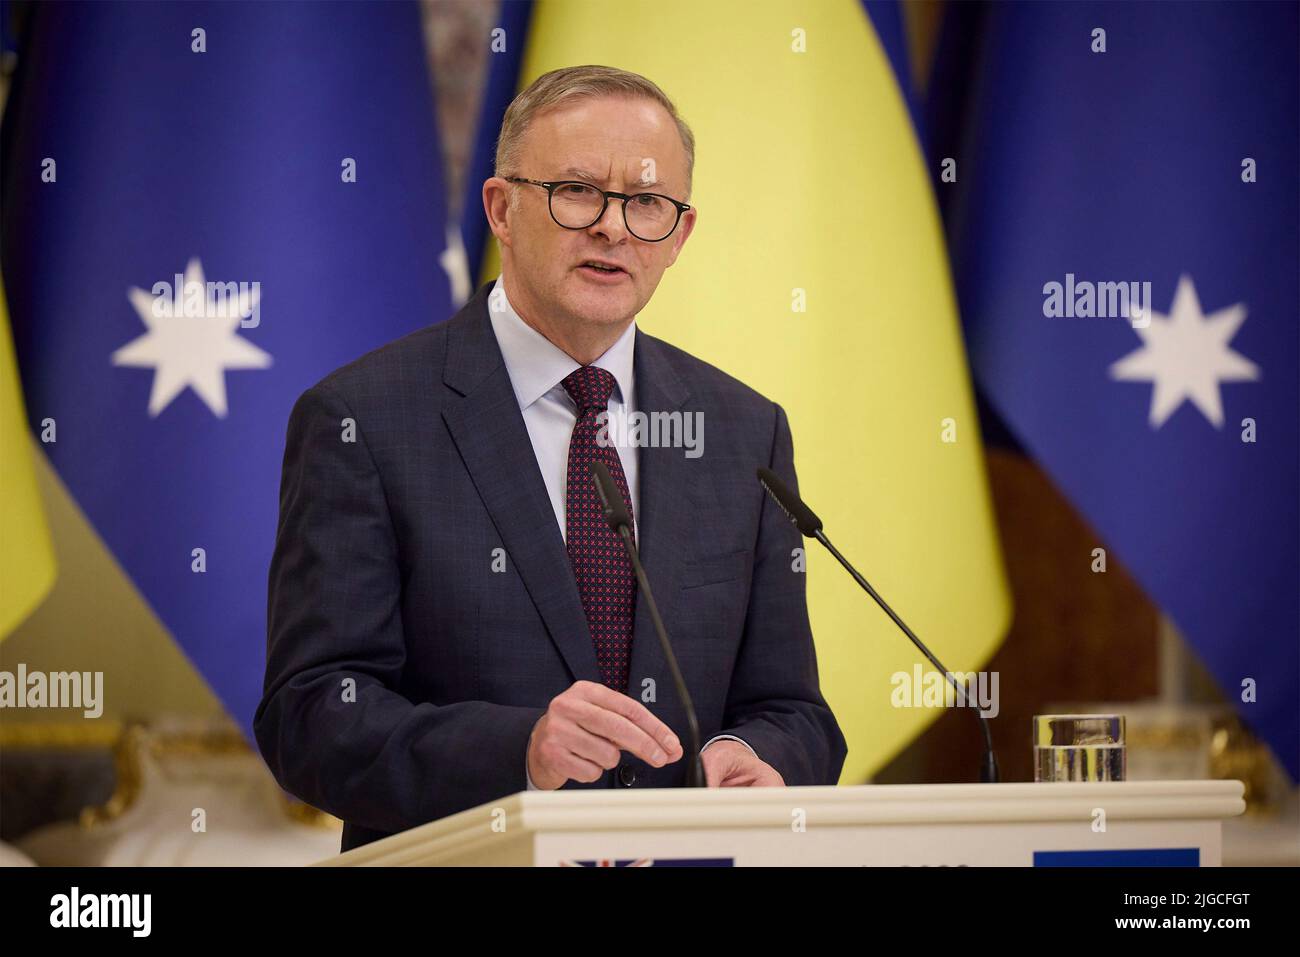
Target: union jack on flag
652 862
611 862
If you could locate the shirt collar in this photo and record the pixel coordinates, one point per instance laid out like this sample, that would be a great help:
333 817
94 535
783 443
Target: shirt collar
536 365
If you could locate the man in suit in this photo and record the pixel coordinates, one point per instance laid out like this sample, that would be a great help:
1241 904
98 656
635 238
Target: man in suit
450 620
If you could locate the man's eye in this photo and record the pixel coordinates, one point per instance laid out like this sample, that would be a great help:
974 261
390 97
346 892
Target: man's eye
646 199
575 189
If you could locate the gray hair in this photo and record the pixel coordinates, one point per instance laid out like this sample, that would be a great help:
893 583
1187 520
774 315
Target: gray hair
575 82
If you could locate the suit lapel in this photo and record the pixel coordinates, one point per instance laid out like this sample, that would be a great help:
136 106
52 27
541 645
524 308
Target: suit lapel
663 525
493 442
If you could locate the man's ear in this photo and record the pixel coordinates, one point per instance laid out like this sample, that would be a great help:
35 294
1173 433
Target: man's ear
684 229
496 206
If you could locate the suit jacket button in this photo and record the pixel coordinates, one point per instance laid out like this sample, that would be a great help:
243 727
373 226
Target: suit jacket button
626 775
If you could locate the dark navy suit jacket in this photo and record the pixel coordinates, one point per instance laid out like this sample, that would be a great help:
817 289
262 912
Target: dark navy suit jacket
404 674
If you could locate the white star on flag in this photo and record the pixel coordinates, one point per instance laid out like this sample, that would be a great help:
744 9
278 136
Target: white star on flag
192 350
1186 355
455 263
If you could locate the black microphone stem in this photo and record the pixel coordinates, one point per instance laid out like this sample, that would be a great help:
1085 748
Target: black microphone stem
695 772
989 766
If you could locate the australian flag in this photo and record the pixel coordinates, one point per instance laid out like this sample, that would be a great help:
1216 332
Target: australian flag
1152 143
206 208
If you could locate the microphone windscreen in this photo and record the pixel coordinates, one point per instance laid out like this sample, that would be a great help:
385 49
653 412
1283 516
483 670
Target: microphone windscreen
790 503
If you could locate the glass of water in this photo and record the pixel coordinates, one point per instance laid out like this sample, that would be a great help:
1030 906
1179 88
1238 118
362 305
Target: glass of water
1079 747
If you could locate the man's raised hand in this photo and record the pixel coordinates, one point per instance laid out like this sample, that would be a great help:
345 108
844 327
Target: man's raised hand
584 729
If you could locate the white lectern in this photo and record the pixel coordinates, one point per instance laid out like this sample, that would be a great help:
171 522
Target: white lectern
1148 823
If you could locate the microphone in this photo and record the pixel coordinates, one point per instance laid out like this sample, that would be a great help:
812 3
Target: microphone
810 525
620 520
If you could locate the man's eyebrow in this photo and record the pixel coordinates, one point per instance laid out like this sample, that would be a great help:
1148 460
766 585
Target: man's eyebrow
581 173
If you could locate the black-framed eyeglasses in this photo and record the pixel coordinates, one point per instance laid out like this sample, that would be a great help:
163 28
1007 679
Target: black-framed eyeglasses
650 217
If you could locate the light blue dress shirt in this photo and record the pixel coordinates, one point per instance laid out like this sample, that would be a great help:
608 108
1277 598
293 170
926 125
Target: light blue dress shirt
537 369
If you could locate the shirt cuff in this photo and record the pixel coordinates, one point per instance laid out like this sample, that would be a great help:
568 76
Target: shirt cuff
528 778
724 737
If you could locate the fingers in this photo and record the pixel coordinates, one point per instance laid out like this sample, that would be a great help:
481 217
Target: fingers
713 773
752 778
586 728
732 768
575 768
627 723
590 747
564 752
720 768
620 732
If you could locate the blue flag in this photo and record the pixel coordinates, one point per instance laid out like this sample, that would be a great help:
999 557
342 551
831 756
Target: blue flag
206 209
1154 146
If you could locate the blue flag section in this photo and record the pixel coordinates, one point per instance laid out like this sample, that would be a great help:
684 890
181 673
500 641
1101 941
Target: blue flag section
500 84
1114 146
206 209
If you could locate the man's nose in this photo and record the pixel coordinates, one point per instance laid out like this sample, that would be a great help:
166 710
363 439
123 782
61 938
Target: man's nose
611 224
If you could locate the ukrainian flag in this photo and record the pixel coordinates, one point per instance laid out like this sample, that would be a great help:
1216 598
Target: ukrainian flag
26 555
817 274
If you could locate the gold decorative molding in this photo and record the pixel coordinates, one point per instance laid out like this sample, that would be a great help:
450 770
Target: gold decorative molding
304 813
128 775
59 735
1236 753
129 742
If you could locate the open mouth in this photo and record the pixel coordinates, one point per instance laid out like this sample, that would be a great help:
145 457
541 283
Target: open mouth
600 270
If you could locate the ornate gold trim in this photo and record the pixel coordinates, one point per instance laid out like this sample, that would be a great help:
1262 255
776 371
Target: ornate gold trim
128 742
128 776
49 735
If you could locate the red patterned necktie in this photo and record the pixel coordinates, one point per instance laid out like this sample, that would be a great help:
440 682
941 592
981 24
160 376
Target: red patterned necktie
603 571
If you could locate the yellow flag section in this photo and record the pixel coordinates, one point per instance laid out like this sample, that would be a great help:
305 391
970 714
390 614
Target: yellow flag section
26 555
817 275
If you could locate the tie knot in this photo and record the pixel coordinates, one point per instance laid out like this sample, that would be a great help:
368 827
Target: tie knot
590 387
